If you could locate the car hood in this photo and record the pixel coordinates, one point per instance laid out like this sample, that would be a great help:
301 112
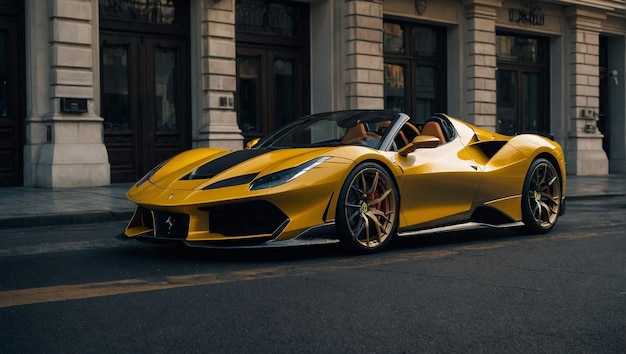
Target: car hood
205 167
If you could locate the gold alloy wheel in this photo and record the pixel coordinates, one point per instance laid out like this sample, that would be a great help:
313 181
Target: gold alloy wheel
544 194
370 207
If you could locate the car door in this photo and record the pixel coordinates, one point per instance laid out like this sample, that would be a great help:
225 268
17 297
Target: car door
439 184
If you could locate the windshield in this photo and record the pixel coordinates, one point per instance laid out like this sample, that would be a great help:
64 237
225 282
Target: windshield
333 129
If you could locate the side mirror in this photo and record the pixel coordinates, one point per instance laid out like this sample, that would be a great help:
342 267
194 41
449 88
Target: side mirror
419 142
251 143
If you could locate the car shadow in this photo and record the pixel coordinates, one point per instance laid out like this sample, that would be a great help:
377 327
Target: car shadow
458 237
425 241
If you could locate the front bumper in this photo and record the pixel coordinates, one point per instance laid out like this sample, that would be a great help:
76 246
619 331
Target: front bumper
318 235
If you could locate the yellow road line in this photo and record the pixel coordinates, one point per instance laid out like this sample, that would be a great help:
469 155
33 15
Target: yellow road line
30 296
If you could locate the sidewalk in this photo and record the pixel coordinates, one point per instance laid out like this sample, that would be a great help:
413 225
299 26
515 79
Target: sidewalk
22 206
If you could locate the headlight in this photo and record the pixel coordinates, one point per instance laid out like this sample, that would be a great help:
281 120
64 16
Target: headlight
145 178
284 176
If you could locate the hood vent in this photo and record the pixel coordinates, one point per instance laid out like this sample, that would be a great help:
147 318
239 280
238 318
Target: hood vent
221 164
229 182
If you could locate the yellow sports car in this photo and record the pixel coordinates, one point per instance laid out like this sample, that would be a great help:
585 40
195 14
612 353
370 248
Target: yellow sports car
359 178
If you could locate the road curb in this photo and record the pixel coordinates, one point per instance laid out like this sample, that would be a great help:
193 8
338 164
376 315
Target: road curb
64 219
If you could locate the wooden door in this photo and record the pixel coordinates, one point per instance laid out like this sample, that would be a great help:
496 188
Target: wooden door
270 89
11 104
145 101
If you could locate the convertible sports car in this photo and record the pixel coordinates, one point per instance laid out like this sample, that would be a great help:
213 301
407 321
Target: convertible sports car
359 178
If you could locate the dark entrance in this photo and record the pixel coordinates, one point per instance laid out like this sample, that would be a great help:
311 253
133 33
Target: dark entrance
145 85
522 84
11 94
415 68
604 117
272 65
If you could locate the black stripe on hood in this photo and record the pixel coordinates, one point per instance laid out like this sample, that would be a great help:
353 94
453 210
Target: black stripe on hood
221 164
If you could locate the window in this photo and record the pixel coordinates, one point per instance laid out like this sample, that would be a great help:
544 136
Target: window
272 64
152 11
522 84
415 68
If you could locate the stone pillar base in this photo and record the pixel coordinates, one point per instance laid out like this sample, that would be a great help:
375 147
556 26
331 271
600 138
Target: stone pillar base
219 138
585 156
64 153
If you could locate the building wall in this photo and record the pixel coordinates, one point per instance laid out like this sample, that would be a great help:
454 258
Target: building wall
66 149
62 149
214 75
573 30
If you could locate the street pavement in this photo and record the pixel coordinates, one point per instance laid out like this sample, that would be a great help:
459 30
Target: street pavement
25 207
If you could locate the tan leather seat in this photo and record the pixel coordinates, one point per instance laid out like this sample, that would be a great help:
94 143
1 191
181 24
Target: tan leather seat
409 132
404 136
411 129
354 134
434 129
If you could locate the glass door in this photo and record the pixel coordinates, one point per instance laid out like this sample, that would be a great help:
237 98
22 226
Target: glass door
272 64
268 89
522 85
507 106
144 93
415 68
145 83
520 106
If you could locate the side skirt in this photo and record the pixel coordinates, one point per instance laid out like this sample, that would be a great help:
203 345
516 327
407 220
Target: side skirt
458 227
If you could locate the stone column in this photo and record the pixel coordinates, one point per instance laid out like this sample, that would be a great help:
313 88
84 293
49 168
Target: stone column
63 149
584 146
215 120
364 75
481 62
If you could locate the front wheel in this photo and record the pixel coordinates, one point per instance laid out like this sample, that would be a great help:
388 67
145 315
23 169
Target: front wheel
541 197
367 209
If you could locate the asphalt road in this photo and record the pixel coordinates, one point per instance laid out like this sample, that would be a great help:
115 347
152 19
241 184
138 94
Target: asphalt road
74 288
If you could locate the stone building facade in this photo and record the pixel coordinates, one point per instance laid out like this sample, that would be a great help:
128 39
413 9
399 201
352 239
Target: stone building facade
218 72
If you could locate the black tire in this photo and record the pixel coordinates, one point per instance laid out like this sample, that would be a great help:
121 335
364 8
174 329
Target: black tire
541 197
367 209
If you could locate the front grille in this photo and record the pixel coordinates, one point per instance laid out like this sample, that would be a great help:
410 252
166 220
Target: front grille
171 225
242 219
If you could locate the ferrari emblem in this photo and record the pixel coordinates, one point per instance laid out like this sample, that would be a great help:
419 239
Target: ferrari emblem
170 223
364 207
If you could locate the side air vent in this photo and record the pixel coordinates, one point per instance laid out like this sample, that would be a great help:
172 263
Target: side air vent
490 215
490 148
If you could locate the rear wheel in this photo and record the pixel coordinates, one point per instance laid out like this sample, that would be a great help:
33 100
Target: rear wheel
367 210
541 197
